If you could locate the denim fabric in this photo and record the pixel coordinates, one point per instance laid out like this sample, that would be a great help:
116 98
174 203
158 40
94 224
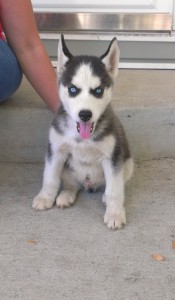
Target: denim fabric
10 71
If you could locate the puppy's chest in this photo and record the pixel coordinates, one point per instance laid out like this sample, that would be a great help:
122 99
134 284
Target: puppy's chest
85 163
84 156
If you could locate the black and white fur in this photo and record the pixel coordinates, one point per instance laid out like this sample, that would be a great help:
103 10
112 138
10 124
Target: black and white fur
87 144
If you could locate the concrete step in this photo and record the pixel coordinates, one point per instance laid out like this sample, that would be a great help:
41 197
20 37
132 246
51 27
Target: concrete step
70 254
144 100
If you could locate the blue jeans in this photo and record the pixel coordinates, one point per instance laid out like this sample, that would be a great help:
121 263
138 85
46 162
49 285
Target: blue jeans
10 72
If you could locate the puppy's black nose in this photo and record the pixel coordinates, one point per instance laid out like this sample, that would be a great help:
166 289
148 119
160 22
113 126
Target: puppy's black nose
85 115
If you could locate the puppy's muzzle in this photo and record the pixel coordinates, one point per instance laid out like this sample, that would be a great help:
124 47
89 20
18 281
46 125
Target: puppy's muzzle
85 126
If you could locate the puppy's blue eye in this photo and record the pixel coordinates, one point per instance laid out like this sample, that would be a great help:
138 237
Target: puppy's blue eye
73 90
98 92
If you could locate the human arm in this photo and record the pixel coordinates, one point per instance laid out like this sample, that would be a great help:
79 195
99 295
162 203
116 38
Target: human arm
19 26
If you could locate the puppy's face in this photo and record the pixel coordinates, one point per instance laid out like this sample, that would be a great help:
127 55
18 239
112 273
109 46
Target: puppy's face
85 85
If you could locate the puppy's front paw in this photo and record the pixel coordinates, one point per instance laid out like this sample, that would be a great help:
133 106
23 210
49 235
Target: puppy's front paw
115 219
65 199
42 202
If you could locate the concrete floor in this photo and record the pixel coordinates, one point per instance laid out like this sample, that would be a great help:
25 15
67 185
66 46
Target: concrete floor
70 254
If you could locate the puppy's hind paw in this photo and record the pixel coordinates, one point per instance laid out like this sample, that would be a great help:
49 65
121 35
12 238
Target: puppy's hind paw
115 220
42 203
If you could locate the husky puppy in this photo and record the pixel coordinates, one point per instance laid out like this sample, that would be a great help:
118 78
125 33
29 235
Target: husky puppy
87 145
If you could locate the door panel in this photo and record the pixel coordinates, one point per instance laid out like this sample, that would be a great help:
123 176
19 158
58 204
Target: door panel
144 6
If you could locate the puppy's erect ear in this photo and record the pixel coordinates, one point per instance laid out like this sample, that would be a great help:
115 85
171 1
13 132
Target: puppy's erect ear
63 55
111 58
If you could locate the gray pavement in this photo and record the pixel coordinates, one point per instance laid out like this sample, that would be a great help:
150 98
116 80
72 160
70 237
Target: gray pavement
70 254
